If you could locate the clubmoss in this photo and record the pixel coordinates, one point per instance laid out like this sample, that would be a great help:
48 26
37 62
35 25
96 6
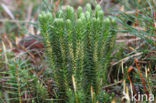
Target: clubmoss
81 45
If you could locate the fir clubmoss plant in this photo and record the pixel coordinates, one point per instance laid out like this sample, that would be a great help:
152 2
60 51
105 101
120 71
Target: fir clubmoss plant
78 44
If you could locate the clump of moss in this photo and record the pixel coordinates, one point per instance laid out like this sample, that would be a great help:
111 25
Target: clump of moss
78 44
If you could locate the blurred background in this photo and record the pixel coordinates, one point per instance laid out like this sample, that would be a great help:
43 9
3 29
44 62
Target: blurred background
19 23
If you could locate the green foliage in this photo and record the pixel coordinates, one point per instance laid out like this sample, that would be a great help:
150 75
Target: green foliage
19 82
81 44
143 26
